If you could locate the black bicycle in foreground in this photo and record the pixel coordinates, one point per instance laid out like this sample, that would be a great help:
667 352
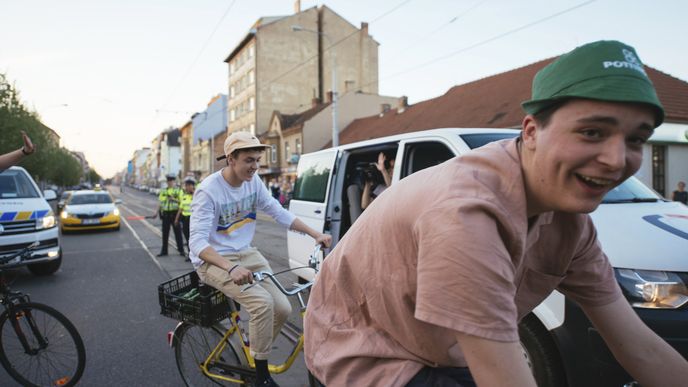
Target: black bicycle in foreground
39 346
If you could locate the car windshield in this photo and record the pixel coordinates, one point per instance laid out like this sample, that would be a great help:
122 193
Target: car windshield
630 191
16 184
90 199
65 195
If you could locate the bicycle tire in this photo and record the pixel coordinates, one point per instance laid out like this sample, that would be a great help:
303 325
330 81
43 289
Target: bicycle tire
61 362
193 345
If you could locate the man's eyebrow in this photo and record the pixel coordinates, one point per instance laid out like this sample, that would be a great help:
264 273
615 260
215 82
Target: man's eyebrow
613 121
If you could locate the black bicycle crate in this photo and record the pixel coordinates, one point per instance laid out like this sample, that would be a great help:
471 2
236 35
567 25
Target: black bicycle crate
205 309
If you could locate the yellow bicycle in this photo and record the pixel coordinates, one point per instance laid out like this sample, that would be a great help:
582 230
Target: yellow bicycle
210 344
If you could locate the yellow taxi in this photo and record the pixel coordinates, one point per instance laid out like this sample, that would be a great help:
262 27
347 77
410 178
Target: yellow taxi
90 210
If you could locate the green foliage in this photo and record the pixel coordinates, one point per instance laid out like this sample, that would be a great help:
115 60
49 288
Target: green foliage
50 162
93 176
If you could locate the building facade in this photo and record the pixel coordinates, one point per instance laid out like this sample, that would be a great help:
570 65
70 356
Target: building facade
277 68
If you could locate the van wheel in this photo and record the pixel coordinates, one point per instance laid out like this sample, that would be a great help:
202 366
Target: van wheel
46 268
541 353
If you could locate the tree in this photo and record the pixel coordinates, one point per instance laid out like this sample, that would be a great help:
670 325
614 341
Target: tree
50 163
93 176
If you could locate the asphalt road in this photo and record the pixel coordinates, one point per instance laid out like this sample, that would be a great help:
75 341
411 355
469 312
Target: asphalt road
107 286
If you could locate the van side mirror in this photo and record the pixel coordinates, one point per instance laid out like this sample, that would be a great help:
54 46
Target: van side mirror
49 195
118 201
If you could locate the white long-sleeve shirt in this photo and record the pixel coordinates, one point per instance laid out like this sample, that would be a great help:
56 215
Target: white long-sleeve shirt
224 217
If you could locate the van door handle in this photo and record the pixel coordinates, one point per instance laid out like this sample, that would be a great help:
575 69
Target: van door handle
318 211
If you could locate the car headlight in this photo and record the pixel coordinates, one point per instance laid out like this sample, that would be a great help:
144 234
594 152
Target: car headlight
64 214
45 222
653 289
115 212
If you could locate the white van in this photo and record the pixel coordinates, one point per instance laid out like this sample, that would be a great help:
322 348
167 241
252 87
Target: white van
26 217
644 236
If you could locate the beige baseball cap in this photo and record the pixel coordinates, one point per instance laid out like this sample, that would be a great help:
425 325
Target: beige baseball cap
240 140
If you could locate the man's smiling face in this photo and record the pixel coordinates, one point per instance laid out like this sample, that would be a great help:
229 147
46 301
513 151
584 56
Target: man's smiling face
586 149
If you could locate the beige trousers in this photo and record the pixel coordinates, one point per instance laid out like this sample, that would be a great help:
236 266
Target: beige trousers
267 307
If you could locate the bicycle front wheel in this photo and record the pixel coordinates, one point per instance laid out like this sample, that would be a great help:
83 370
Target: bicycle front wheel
39 346
193 346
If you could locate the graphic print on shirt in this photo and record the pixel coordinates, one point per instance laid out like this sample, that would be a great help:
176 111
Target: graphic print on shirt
237 214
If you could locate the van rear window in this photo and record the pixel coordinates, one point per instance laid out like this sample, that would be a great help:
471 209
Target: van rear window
15 184
312 176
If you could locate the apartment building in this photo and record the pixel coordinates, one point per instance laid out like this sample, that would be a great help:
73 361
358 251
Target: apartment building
283 62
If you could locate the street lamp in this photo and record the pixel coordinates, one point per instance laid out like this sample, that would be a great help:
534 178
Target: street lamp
335 130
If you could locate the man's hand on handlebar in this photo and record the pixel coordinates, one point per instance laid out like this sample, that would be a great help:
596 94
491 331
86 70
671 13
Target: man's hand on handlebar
241 276
324 239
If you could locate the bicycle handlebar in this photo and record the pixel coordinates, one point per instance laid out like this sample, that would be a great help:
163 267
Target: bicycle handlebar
21 254
260 276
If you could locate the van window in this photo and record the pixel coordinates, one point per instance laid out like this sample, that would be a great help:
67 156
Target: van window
477 140
15 184
421 155
311 178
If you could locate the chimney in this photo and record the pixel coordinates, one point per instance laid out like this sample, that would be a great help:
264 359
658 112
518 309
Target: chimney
364 28
315 102
384 108
402 104
297 6
329 97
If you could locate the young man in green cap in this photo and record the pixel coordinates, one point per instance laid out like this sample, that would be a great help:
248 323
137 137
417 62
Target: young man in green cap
428 290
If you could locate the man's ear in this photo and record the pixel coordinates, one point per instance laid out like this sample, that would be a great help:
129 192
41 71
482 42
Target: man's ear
529 128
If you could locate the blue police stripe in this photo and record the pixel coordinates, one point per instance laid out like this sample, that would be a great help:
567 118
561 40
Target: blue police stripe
7 216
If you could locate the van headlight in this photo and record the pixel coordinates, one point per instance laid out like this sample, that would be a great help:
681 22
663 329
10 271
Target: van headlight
653 289
45 222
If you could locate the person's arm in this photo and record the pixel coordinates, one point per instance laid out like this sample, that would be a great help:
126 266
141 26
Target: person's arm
320 238
673 196
239 274
495 363
176 217
643 354
381 167
366 197
11 158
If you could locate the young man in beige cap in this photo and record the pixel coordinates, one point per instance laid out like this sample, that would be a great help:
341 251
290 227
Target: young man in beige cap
223 214
428 289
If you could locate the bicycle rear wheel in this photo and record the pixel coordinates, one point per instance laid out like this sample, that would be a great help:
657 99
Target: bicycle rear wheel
194 344
52 354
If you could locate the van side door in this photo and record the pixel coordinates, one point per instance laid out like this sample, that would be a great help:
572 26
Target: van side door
309 200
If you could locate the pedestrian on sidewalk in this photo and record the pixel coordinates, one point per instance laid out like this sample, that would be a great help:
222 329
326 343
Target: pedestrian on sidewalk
168 205
680 195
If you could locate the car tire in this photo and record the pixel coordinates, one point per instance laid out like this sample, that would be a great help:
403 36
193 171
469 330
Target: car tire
46 268
541 353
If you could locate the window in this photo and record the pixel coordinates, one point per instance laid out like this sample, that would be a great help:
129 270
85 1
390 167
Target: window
421 155
232 115
232 67
298 146
251 51
273 153
15 184
251 77
253 129
287 152
251 104
349 85
232 91
312 176
659 168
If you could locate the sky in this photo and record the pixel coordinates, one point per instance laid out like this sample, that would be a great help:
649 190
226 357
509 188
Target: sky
108 75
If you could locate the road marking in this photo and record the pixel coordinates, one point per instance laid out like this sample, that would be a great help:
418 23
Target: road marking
146 248
155 230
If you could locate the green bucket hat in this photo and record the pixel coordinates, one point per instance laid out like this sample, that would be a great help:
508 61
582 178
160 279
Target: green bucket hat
604 70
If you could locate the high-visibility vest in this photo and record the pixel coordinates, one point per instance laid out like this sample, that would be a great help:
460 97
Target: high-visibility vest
166 194
185 203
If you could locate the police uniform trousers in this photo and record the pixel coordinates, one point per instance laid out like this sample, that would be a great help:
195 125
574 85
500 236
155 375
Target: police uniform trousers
167 222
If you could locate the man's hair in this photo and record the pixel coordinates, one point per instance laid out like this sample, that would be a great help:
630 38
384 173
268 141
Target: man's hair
545 115
236 153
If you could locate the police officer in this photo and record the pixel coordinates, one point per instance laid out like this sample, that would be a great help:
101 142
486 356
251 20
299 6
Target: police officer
184 212
168 206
